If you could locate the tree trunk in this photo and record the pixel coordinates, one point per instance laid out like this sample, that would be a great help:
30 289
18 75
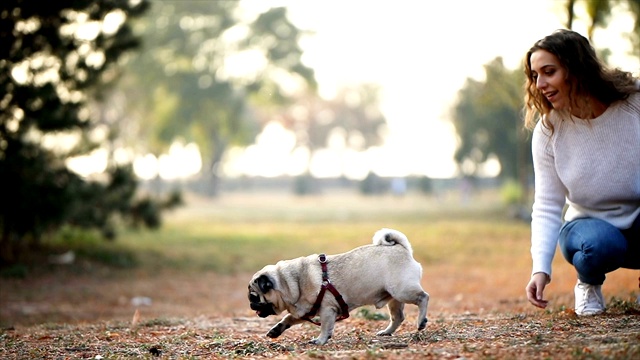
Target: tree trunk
570 13
212 171
6 250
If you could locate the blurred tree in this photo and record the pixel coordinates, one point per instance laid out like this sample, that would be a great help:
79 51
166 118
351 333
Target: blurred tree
205 64
352 120
488 122
599 13
634 7
352 117
570 13
55 57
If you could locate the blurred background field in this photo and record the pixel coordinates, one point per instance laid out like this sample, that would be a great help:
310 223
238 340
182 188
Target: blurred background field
475 258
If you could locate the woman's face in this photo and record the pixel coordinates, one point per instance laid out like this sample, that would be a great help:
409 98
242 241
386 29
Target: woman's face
550 77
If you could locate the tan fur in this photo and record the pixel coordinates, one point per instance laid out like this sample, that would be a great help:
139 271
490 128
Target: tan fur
383 274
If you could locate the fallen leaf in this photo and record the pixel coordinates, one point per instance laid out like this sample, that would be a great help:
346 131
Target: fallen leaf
136 319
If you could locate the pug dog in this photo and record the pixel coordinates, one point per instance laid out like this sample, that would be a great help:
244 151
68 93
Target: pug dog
379 274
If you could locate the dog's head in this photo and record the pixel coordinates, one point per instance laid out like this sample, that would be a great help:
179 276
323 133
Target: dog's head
261 295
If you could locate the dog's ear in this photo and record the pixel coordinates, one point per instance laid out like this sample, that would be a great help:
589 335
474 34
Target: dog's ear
264 283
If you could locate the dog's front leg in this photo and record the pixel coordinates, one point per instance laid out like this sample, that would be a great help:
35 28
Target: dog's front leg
396 310
286 322
328 321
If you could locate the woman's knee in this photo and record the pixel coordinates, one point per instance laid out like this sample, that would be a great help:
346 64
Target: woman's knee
592 237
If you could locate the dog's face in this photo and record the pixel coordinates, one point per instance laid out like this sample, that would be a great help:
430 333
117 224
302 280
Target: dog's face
259 290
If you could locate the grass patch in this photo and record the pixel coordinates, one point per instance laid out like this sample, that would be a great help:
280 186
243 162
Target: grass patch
242 234
245 234
369 313
247 246
624 306
89 245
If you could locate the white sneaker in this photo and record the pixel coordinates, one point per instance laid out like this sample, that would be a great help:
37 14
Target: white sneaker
589 299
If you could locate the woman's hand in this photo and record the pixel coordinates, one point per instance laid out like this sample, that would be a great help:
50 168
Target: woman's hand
535 289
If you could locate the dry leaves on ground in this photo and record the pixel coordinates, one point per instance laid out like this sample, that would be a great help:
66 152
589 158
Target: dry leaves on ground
536 335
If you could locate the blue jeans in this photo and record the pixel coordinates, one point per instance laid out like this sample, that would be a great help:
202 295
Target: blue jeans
595 247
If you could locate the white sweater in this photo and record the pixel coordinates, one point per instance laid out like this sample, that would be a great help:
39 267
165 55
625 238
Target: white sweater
591 166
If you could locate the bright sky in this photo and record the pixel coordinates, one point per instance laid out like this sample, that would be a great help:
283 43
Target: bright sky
421 52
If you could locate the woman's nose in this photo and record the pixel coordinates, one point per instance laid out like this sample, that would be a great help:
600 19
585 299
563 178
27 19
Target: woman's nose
541 83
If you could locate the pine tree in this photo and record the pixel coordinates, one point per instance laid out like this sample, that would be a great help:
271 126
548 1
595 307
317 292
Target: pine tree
55 57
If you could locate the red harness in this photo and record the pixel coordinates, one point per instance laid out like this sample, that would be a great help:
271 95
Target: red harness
326 285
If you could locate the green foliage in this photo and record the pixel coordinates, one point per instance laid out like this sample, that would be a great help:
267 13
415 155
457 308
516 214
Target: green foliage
104 206
18 271
372 185
369 314
425 184
191 51
305 184
511 192
47 80
56 59
599 15
634 7
88 244
74 238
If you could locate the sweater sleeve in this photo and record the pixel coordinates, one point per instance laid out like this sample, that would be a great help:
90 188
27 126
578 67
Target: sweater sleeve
549 200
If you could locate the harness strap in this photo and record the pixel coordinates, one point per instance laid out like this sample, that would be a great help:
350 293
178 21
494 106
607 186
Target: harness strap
326 285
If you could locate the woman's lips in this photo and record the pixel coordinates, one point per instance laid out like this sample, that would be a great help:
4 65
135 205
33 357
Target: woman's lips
551 95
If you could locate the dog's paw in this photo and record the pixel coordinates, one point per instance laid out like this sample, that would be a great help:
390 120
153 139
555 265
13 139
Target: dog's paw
276 331
423 324
318 341
383 333
273 334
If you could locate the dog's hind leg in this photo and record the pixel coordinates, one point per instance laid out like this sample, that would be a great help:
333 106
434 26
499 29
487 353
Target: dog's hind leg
423 303
396 310
420 298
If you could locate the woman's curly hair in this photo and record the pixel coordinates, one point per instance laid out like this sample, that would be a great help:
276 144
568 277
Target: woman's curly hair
587 77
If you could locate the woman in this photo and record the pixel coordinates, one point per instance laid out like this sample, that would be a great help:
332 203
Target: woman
586 155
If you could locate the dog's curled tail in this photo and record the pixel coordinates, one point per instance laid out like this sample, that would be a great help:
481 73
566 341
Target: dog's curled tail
390 237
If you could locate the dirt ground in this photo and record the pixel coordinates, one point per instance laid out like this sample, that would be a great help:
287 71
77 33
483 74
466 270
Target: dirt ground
96 313
89 311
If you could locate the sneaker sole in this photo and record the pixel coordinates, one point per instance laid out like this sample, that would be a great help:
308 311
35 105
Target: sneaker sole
590 312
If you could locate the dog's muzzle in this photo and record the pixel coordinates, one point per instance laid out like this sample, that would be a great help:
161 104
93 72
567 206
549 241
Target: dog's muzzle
263 309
